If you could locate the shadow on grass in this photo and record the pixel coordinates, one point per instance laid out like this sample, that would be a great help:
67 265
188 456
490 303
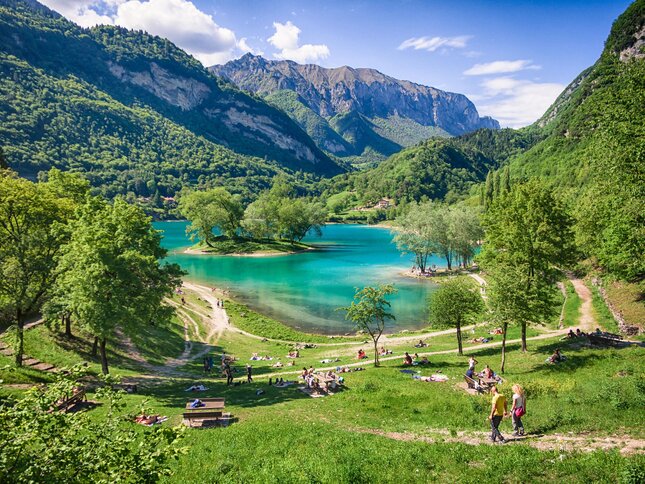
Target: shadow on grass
244 395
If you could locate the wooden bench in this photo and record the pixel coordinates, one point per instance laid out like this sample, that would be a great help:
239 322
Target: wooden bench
71 400
472 383
213 409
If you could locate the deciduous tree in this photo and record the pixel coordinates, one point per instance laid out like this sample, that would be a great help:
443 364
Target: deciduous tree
31 235
454 304
111 271
369 312
528 235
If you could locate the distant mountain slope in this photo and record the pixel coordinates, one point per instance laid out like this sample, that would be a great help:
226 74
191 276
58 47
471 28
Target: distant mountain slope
127 102
376 115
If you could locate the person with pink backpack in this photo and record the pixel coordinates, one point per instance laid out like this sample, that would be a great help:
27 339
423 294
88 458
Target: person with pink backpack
518 409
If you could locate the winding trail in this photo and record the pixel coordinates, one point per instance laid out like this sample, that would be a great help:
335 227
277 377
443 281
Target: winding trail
587 319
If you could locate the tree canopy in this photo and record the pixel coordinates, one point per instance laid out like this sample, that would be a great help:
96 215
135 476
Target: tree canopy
454 304
111 271
369 312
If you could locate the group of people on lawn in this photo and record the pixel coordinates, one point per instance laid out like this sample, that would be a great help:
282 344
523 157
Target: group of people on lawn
329 379
499 404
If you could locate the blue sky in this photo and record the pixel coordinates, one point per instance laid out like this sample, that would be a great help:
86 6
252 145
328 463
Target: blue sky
511 58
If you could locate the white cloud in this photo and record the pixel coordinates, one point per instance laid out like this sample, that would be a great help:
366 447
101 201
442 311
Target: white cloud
434 43
177 20
286 40
243 45
500 67
514 102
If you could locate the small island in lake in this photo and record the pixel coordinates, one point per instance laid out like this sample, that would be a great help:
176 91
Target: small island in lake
247 247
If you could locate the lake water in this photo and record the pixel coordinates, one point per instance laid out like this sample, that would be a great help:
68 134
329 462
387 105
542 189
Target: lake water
304 290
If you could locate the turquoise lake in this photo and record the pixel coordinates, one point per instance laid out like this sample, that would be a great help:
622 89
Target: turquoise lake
304 290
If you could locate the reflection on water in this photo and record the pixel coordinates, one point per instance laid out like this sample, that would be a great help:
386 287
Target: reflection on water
304 290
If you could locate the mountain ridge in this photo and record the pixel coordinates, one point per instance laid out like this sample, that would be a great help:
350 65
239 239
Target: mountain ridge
378 104
130 80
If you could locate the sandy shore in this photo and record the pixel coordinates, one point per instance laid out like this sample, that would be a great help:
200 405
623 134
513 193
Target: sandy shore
192 251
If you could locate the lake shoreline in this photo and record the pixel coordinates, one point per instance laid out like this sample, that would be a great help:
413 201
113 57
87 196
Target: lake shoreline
195 251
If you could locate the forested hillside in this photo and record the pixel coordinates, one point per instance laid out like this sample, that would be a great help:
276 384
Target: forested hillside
134 111
590 146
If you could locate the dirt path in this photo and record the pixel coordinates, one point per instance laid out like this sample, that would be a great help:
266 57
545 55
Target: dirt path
368 362
559 442
218 320
587 319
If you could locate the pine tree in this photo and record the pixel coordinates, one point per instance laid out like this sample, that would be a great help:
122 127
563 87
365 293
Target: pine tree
489 190
496 184
506 180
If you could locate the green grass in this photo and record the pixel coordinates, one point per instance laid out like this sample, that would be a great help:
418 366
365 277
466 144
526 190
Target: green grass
571 314
281 451
282 435
242 246
604 317
255 323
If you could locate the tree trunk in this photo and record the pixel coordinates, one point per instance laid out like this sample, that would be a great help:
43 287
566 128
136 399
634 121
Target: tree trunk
449 261
104 362
68 325
461 351
20 347
504 328
376 361
524 336
95 346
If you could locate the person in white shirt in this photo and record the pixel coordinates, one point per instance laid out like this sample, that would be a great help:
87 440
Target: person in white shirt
518 409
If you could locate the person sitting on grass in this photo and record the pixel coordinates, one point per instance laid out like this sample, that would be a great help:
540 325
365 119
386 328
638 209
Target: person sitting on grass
384 352
579 333
420 344
407 359
571 334
556 357
361 355
424 361
470 373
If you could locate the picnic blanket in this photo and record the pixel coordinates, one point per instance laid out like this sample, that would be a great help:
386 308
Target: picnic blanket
411 372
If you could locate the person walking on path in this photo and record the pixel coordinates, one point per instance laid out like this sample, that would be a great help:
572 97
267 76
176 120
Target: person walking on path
499 408
249 370
229 374
518 409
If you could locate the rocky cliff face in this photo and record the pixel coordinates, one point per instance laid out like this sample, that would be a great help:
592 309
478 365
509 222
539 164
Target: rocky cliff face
376 98
135 69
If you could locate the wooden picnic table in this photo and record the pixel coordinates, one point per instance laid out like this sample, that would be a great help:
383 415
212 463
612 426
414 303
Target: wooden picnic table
209 404
488 382
212 408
